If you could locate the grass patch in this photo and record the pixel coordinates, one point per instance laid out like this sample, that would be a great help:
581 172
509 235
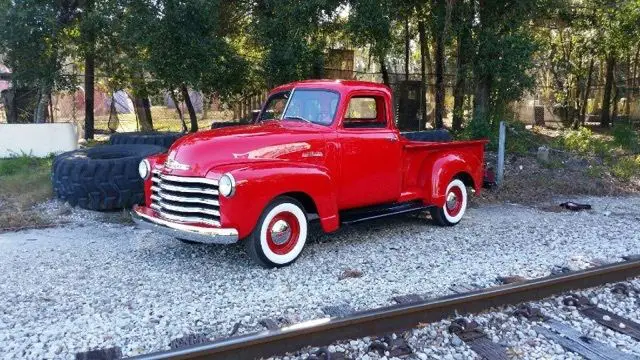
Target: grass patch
24 182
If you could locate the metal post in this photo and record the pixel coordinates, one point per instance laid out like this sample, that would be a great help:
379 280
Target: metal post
501 139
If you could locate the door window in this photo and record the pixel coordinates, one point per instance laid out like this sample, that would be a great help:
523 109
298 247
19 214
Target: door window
365 112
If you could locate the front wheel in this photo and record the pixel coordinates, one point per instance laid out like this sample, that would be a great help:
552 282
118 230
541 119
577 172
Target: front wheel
280 234
455 204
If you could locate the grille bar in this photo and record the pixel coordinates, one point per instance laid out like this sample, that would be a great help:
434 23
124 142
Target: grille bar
185 199
191 180
173 217
188 209
184 189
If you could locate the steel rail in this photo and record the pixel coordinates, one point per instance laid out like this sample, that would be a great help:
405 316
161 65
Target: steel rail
396 317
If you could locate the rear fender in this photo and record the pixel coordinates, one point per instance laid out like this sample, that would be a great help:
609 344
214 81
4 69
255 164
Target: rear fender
258 184
437 177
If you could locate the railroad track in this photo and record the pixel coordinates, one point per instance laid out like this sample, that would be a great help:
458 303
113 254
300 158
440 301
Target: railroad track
412 310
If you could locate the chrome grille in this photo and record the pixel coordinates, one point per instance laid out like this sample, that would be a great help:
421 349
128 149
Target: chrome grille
185 199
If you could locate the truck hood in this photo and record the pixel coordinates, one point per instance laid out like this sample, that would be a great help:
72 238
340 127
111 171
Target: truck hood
197 154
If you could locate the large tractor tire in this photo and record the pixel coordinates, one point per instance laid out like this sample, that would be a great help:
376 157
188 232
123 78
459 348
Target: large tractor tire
101 178
164 139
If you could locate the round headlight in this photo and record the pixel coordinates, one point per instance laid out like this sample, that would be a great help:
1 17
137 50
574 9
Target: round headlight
227 185
144 169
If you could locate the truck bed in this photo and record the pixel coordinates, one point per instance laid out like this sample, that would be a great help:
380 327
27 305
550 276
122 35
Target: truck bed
441 135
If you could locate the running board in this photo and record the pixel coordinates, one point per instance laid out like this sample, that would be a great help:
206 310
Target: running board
354 216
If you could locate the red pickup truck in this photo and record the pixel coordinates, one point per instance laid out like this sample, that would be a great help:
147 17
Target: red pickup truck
320 150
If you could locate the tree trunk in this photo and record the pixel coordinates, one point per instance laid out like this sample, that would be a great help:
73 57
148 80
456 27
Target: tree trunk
174 98
423 73
89 78
481 99
629 89
440 34
585 98
440 90
461 74
10 110
190 110
383 70
605 116
40 115
406 49
635 70
143 111
458 91
616 98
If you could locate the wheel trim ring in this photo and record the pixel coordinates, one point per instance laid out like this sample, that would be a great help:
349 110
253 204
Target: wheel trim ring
283 248
457 206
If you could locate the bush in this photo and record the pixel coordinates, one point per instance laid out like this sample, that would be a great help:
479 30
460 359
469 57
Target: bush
626 167
579 140
625 136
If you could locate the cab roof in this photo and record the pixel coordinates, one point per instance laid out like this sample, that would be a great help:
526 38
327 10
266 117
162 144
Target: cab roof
335 85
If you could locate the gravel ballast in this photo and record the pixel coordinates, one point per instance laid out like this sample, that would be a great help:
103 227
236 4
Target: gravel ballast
518 336
90 284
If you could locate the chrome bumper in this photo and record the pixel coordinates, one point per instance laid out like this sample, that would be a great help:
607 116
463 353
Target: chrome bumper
199 234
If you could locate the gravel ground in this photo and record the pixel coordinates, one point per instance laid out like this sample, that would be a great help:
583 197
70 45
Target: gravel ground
92 284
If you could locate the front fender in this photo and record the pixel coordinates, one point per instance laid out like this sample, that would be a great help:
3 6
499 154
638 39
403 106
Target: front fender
258 184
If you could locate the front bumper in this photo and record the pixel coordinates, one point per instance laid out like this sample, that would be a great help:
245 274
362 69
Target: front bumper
145 218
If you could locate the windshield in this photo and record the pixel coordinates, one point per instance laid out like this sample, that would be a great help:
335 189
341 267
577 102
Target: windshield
314 106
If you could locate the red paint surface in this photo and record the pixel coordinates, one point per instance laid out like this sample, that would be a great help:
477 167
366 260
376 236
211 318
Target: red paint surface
337 168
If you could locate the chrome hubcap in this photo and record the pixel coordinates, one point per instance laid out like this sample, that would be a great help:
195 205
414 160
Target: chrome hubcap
280 232
452 199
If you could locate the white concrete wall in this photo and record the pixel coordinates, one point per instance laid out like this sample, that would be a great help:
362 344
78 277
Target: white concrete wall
37 139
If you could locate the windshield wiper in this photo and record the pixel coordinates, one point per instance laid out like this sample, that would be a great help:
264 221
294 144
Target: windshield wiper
298 118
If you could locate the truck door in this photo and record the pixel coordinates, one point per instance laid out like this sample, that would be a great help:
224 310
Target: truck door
370 152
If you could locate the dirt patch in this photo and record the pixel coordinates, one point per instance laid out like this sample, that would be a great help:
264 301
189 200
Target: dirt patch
527 180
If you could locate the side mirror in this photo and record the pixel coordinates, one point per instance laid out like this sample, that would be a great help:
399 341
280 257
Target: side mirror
254 115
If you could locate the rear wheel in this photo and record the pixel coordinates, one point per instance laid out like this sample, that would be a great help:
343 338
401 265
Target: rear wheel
455 204
280 234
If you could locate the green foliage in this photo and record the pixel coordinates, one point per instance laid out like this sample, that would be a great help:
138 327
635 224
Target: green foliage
188 44
580 140
478 129
626 167
583 141
626 137
23 163
291 35
35 35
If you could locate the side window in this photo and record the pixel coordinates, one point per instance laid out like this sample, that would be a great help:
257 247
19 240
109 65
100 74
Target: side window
365 112
275 106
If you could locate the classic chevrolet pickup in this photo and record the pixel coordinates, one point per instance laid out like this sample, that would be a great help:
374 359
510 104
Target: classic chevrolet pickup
320 150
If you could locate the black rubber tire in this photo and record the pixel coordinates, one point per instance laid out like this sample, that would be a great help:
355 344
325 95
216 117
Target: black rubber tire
164 139
101 178
252 242
438 215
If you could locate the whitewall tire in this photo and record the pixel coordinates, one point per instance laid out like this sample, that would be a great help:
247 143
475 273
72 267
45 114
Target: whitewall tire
456 199
280 234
